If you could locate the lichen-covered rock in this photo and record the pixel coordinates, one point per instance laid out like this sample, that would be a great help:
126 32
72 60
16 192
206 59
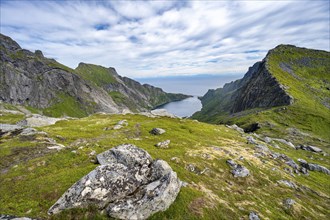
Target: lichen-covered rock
288 203
128 185
157 131
310 148
237 169
163 144
314 167
253 216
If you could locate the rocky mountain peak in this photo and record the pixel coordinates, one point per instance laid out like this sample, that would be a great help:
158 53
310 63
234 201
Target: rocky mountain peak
8 43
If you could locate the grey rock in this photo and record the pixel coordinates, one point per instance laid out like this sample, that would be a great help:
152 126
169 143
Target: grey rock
237 169
157 131
120 124
262 148
128 185
4 128
36 120
304 171
127 154
288 203
190 168
251 140
162 113
268 140
314 167
310 148
253 216
56 147
288 143
240 171
163 144
231 163
292 164
288 183
235 127
11 217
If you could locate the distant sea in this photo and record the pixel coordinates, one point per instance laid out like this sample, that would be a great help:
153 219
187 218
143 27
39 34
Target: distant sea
191 85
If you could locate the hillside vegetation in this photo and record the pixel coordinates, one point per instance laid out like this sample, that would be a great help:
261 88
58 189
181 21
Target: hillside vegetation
33 177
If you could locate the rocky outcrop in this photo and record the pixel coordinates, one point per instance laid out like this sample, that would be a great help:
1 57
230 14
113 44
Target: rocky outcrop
128 184
237 169
314 167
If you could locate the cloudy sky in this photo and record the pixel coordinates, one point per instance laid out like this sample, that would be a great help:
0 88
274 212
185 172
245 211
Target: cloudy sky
165 38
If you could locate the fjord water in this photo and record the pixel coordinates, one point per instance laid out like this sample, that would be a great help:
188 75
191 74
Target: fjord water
183 108
190 85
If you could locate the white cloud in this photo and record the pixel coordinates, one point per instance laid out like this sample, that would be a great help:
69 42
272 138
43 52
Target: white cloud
159 38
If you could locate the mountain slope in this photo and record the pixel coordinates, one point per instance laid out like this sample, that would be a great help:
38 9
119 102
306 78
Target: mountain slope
297 78
125 91
30 79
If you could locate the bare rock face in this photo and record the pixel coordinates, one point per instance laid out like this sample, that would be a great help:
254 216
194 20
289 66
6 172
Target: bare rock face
128 184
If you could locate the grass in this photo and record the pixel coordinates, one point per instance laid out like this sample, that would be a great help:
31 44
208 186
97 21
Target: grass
65 106
98 75
31 187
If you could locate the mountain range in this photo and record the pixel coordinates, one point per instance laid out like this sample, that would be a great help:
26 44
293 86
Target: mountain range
35 81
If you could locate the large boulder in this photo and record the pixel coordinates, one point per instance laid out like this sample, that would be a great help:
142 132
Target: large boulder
128 184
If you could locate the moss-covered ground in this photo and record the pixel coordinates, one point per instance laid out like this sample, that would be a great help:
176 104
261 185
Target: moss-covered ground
33 177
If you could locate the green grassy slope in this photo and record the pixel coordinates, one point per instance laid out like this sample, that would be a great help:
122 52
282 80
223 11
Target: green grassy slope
33 178
305 75
99 75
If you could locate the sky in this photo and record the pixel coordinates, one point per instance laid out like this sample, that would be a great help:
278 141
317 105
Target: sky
165 38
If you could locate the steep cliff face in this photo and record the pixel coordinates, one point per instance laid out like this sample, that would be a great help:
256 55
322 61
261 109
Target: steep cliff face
125 91
298 78
257 89
30 79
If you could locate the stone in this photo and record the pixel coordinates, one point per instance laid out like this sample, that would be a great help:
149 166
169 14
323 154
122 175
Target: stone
314 167
157 131
268 140
120 124
162 113
253 216
163 144
8 128
288 143
237 169
235 127
251 140
292 164
36 120
56 147
288 183
11 217
288 203
128 184
310 148
262 148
